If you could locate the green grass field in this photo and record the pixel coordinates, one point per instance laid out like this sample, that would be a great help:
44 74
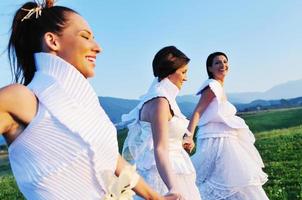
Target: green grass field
273 119
281 151
278 139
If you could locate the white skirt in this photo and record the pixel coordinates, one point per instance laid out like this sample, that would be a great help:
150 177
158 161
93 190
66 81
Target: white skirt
244 193
229 167
186 183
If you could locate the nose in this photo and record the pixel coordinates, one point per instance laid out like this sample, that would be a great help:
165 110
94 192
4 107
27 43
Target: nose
185 77
96 48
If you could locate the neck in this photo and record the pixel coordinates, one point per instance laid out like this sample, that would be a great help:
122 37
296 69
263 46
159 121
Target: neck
221 81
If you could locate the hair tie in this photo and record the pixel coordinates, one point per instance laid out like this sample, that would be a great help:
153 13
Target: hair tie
37 10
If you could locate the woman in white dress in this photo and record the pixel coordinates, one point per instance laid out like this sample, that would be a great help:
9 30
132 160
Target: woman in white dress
228 164
61 142
154 141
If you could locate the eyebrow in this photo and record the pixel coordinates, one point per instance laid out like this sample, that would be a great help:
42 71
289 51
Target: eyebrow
87 31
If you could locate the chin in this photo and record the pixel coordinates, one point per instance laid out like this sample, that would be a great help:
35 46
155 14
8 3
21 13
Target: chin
90 76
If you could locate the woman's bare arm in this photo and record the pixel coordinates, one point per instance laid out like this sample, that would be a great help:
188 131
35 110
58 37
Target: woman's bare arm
18 105
205 99
159 115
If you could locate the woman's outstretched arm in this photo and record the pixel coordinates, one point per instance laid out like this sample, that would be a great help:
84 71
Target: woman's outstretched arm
142 188
205 99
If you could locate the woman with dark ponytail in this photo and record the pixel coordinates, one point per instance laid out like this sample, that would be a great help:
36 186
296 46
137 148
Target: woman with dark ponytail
60 140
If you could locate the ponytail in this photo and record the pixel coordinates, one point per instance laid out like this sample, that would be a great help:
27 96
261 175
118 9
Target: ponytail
27 33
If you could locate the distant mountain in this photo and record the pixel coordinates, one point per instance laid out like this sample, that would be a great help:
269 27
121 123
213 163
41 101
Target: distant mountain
286 90
115 107
269 104
290 89
280 96
187 108
187 98
244 97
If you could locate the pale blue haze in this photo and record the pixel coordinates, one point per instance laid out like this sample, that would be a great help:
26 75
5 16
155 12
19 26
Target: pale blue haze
263 40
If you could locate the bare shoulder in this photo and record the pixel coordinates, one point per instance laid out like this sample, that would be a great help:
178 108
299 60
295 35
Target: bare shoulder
16 99
159 103
14 94
205 99
208 94
154 107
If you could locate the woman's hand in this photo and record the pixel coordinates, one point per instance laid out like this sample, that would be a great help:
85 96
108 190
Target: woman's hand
188 143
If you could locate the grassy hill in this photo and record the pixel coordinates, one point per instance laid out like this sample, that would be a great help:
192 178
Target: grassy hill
281 151
273 119
278 139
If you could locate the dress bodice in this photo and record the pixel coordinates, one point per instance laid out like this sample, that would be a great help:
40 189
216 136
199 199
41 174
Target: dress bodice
143 152
220 110
138 146
70 138
177 128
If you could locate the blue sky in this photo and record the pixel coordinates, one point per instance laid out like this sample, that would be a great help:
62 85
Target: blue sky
263 40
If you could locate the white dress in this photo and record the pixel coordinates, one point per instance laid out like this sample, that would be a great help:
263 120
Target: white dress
138 147
227 163
64 151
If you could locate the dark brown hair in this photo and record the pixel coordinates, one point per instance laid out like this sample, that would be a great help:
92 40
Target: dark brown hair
167 60
27 34
210 60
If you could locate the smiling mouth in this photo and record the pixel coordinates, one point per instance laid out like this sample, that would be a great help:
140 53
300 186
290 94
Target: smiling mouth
91 59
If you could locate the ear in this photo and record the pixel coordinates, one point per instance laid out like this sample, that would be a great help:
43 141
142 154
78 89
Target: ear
50 42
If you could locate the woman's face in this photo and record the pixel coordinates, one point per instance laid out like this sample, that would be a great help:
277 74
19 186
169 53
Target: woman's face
78 46
219 68
179 76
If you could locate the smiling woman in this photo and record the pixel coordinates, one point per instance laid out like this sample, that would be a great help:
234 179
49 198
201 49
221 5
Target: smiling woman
84 51
155 136
228 164
61 142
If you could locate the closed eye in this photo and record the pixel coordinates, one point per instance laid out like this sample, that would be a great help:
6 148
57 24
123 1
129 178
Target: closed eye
85 37
86 34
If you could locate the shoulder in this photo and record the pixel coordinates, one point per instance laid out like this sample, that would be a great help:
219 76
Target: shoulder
14 92
15 96
205 99
14 89
208 93
155 108
205 85
211 85
158 103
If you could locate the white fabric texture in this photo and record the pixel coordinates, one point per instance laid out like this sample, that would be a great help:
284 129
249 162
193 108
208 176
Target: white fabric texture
64 150
139 149
229 166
